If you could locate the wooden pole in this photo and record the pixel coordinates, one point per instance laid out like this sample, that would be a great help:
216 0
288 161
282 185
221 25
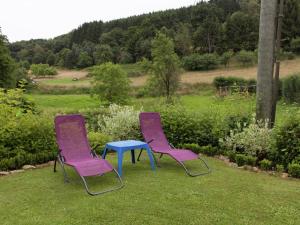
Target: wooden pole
277 62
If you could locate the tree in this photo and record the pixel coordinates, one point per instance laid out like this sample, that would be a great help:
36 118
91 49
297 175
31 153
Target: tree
183 41
103 54
111 83
241 32
84 60
264 99
165 67
7 65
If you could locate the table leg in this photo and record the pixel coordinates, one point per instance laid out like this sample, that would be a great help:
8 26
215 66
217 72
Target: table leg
150 157
132 156
104 153
120 162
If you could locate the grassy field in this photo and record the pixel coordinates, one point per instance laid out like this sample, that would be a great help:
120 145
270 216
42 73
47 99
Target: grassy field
165 196
55 103
198 103
64 77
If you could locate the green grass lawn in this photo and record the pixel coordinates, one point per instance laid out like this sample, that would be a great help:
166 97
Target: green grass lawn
207 102
66 81
165 196
55 103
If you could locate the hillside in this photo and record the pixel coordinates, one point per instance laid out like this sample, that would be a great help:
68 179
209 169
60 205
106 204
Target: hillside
215 26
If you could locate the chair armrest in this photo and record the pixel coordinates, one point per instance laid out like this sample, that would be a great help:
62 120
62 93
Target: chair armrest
93 150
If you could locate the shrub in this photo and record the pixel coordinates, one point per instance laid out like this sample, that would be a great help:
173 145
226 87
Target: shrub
25 138
287 55
121 122
98 139
231 155
279 168
294 170
209 150
200 62
295 45
265 164
182 126
221 81
250 160
291 88
286 146
254 140
246 58
225 58
194 147
15 98
111 84
240 159
41 70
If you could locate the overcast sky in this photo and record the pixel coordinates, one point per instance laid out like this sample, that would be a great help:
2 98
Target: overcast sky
27 19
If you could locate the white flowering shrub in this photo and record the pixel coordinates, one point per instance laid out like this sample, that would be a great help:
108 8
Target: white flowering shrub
121 122
254 140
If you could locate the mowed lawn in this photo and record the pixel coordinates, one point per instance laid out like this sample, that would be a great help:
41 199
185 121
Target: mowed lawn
165 196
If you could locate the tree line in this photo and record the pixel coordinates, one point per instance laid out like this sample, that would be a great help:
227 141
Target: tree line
216 26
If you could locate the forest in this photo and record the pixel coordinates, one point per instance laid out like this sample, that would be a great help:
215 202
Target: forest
212 27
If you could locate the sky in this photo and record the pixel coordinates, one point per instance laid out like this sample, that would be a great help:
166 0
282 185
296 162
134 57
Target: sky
32 19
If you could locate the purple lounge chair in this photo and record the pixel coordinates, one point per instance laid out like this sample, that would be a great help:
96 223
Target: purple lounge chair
75 151
153 134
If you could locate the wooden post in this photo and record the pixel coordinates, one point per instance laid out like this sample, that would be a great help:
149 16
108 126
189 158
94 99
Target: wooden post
277 62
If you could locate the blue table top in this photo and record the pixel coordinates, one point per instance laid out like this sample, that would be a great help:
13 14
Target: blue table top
127 143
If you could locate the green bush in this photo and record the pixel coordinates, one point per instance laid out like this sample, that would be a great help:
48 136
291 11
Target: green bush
182 126
221 81
225 58
291 88
295 45
286 145
279 168
231 155
245 58
193 147
200 62
41 70
209 150
265 164
294 170
98 140
241 159
25 138
287 55
250 160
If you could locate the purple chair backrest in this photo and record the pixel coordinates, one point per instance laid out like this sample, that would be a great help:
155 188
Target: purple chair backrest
71 137
152 130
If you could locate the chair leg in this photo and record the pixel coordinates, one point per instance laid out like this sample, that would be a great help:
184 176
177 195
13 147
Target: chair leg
54 167
196 174
161 155
105 191
66 179
138 158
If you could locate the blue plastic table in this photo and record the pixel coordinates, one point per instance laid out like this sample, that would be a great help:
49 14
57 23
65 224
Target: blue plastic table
122 146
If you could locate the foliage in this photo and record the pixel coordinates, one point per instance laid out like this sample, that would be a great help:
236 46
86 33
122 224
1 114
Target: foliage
209 150
291 88
265 164
295 45
185 127
294 170
121 122
7 65
111 83
103 54
200 62
254 140
165 67
242 160
245 58
286 145
15 98
25 138
41 70
98 140
226 57
280 168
